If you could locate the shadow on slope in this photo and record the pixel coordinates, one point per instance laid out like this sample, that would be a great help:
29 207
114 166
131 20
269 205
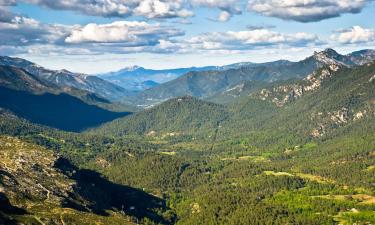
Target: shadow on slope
59 111
6 209
101 195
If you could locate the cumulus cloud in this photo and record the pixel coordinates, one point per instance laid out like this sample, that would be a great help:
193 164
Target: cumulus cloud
306 10
250 39
224 16
34 37
21 31
356 34
151 9
121 8
162 9
128 33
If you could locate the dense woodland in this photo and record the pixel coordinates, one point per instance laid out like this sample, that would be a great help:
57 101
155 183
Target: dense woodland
310 160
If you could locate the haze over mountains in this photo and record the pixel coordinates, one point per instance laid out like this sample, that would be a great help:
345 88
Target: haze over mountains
206 84
141 87
64 78
138 78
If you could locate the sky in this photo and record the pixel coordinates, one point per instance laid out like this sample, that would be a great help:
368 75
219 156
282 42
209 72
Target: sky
97 36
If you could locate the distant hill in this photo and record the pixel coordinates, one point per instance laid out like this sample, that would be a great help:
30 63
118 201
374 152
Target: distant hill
137 78
173 117
64 78
206 84
41 102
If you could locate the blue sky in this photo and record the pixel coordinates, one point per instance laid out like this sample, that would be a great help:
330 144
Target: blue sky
107 35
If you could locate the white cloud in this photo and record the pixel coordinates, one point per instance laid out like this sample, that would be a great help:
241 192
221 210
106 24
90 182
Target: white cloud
162 9
129 33
356 34
224 16
249 39
122 8
20 30
151 9
306 10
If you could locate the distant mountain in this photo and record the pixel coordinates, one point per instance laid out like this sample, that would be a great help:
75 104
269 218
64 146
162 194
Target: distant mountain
331 99
362 57
134 78
64 78
206 84
41 102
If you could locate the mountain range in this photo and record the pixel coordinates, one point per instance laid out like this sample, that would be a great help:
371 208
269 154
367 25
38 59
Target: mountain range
65 78
274 143
42 102
210 83
138 78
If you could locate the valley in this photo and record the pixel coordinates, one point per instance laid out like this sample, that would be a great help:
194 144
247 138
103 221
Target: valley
270 143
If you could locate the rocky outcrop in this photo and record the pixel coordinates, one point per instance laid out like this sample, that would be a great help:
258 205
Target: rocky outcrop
283 94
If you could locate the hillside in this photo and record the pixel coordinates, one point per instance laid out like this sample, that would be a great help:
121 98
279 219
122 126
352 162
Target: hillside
275 114
41 102
313 108
173 117
69 196
253 160
64 78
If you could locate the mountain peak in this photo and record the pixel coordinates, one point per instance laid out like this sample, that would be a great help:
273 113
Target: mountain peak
329 56
329 52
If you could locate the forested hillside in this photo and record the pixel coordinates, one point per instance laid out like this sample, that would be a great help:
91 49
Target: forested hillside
41 102
297 151
208 84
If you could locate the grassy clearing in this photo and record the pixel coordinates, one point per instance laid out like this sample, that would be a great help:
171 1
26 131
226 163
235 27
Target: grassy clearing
362 199
273 173
168 153
354 216
246 158
316 178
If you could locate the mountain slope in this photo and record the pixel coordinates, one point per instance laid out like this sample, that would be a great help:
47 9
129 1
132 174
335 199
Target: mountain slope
176 116
69 196
36 100
133 78
279 114
64 78
319 107
209 83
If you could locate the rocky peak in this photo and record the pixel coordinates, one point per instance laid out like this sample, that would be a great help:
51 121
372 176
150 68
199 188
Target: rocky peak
330 57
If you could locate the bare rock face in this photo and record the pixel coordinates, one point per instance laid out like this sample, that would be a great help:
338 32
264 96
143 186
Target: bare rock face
28 170
340 116
283 94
